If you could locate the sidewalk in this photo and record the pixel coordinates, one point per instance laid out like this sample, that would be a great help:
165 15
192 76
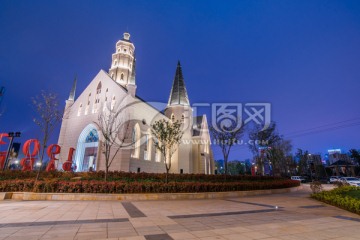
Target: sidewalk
279 216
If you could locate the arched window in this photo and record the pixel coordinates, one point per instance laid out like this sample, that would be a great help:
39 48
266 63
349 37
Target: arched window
115 62
98 89
172 117
92 137
119 49
106 100
182 118
97 98
136 141
79 110
88 105
146 142
147 146
122 76
87 149
113 101
157 151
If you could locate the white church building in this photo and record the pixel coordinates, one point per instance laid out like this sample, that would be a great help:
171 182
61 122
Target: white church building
117 88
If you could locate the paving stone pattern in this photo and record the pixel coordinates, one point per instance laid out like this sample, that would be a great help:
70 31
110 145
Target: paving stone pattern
279 216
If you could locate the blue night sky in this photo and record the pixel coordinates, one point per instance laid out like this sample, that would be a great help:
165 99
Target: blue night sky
301 56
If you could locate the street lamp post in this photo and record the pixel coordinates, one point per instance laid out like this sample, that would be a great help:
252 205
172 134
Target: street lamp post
11 135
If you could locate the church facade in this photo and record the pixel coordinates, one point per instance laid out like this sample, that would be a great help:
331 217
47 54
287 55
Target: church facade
116 89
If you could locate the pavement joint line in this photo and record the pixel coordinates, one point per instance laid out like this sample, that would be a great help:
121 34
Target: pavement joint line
132 210
222 213
347 218
312 206
256 204
163 236
31 224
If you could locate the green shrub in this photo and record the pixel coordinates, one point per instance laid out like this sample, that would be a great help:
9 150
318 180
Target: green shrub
131 177
339 197
92 186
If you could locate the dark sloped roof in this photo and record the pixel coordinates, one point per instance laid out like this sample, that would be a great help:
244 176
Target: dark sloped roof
178 94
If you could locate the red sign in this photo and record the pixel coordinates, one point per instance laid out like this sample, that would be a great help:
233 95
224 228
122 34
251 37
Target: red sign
31 151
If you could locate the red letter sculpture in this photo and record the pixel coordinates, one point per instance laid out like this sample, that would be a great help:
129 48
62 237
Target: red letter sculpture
2 154
52 150
27 163
67 165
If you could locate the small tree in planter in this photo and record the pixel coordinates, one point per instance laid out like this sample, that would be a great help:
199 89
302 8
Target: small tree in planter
168 135
114 127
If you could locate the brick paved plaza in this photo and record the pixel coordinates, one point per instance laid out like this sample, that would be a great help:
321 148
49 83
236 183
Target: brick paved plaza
279 216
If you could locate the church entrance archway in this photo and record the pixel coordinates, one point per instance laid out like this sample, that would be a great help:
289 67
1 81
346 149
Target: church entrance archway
87 148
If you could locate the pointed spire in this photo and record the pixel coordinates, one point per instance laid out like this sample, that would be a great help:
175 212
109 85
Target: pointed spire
133 73
73 89
178 94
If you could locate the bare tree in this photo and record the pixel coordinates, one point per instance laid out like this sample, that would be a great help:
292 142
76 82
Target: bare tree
279 153
261 142
114 124
355 155
226 138
303 165
167 139
46 106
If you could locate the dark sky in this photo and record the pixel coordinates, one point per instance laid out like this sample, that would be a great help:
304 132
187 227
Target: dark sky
301 56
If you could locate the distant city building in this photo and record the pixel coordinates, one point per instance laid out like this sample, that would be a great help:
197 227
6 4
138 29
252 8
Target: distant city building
336 155
340 163
315 159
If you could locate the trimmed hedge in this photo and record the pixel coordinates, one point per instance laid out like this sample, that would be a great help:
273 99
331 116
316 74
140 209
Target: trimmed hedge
132 177
338 197
86 186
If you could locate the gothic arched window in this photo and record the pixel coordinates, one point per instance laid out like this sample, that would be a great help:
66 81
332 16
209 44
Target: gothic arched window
88 105
98 89
97 98
136 141
79 110
122 76
113 101
92 137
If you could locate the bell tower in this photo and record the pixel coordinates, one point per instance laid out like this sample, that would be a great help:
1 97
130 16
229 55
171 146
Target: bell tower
122 68
179 109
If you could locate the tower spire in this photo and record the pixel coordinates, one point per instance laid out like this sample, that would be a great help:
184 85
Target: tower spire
178 94
73 89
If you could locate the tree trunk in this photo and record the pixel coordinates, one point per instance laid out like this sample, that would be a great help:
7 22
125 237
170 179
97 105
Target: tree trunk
106 172
41 161
167 176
